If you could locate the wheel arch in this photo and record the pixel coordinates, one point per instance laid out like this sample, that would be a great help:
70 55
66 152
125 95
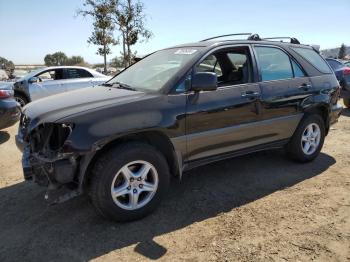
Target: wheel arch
157 139
323 110
22 93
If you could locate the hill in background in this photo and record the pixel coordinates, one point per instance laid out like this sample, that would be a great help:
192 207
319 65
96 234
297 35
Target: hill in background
333 52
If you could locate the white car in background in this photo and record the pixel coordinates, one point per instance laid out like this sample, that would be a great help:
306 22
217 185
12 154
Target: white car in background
54 80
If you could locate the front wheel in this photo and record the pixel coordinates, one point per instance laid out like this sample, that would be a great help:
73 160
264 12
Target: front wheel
129 181
346 102
21 99
308 139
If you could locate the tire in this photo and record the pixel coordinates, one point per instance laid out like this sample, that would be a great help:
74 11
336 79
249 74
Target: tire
296 147
110 170
21 99
346 102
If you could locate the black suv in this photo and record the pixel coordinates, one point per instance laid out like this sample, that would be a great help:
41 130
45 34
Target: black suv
174 110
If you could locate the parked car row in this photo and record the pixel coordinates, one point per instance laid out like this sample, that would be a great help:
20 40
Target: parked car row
342 72
54 80
9 109
41 83
174 110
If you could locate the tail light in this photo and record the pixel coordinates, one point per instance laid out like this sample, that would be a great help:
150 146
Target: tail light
6 93
346 71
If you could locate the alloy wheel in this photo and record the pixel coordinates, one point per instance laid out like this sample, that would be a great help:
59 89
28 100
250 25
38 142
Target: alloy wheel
311 138
134 185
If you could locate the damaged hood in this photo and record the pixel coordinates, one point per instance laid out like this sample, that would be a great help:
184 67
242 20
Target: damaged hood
56 107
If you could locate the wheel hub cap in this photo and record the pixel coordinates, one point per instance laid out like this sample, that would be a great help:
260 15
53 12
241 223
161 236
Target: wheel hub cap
134 185
310 139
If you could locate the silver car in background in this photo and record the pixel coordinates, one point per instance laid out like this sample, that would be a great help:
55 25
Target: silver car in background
54 80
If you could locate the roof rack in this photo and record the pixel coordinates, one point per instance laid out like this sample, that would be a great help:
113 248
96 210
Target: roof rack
256 37
293 40
220 36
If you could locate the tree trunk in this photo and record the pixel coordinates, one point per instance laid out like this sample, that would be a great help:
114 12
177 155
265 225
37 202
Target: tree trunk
124 50
105 59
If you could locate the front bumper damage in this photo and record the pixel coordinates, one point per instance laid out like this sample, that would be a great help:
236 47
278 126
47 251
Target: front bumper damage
47 162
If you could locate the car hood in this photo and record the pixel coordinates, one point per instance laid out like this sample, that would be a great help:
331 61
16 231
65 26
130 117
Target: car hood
56 107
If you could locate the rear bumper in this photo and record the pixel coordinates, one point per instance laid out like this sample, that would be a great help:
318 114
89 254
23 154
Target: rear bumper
335 114
9 113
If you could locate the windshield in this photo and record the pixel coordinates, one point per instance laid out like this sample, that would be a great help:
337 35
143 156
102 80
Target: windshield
152 72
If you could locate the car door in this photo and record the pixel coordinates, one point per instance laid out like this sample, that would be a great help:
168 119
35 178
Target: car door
284 85
77 78
50 82
223 120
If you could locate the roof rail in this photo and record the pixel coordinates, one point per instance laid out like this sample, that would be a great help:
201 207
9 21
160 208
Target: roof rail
293 40
254 37
220 36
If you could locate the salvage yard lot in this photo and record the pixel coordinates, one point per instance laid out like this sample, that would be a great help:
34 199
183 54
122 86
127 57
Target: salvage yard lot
256 207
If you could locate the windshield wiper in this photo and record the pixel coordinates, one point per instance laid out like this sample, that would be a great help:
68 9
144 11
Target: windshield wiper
107 84
119 85
125 86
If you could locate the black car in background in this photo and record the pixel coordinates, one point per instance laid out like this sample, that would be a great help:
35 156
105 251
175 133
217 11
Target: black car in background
342 72
174 110
9 108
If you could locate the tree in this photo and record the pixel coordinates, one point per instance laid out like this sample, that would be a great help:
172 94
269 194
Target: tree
56 59
342 52
100 11
75 60
130 20
117 62
7 65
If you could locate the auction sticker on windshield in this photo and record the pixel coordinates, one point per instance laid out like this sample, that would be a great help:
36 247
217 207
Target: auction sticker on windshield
185 52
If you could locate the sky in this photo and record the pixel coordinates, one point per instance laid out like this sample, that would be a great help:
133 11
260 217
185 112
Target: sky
31 29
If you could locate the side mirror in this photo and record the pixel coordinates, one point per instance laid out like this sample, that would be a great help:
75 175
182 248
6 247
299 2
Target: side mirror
33 80
204 81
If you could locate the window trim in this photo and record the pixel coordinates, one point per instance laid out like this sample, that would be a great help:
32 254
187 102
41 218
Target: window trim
291 58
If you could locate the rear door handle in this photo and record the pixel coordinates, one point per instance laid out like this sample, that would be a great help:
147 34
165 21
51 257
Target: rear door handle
250 94
305 87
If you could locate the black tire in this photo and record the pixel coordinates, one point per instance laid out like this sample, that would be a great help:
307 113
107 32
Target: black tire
346 102
21 99
294 147
106 168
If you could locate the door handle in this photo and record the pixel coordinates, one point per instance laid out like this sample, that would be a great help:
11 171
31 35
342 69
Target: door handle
250 94
305 87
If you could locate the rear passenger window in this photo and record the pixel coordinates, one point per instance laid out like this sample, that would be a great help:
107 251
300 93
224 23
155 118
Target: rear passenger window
77 73
274 64
298 72
314 58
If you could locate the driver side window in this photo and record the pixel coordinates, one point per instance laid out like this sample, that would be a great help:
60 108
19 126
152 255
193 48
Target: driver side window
210 64
232 66
51 75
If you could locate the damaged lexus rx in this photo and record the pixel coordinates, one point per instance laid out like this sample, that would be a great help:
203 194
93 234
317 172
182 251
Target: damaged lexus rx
174 110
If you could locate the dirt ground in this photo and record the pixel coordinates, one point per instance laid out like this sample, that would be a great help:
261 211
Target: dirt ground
260 207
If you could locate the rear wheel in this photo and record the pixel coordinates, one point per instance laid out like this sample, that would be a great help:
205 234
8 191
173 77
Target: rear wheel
129 181
346 102
308 139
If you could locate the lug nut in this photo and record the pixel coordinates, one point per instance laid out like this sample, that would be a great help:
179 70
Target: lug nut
128 188
139 179
135 191
140 186
131 179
